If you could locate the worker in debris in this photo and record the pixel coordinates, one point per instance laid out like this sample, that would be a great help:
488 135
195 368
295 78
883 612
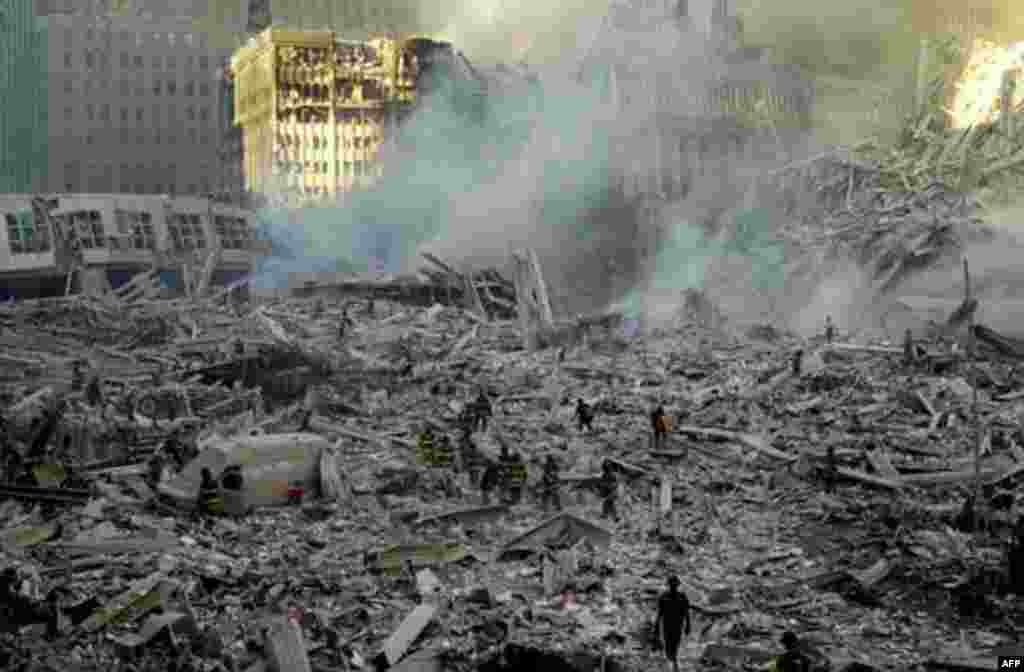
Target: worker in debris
908 348
210 501
47 428
173 450
155 466
830 330
231 478
296 493
371 307
515 473
584 415
443 452
830 472
792 659
672 619
425 446
94 391
1015 559
483 411
318 309
798 362
549 485
659 427
77 376
490 480
609 491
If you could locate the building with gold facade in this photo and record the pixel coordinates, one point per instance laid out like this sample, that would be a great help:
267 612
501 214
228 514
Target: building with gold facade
315 110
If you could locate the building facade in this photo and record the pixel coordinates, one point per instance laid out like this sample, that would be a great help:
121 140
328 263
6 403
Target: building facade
122 234
23 82
133 106
315 110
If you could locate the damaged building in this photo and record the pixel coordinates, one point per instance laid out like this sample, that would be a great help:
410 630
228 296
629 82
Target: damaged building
315 110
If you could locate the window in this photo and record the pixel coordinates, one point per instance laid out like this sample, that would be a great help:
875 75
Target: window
25 234
190 113
85 226
204 113
90 112
157 62
89 139
190 62
90 60
190 88
172 61
234 232
138 89
190 39
138 114
87 85
90 34
171 38
137 61
137 226
172 87
125 60
156 87
192 135
126 88
186 232
105 112
204 62
204 89
204 140
67 37
124 114
67 59
69 86
67 114
156 139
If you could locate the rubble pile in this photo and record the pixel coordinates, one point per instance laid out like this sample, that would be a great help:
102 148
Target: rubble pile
348 543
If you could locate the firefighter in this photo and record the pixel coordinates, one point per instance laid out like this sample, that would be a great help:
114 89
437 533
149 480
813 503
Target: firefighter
792 659
296 493
425 446
469 456
830 330
515 478
830 473
156 469
672 620
549 485
1015 559
443 452
482 411
94 392
609 491
489 481
798 362
210 502
77 376
584 415
659 427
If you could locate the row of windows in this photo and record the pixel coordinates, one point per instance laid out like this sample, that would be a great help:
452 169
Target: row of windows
342 168
102 113
316 142
100 60
133 137
171 39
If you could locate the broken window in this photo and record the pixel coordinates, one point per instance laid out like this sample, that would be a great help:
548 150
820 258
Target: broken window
26 235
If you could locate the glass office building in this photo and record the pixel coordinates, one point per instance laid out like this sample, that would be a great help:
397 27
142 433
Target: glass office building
24 134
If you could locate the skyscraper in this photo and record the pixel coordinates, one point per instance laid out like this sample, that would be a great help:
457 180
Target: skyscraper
23 84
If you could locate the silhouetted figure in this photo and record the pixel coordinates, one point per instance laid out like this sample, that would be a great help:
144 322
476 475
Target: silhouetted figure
798 362
672 620
792 659
830 330
584 416
659 427
609 490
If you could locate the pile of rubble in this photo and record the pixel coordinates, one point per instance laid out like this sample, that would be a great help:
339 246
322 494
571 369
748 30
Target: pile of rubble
342 550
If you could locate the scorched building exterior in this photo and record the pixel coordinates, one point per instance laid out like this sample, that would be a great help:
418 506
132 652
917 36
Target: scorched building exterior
316 110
